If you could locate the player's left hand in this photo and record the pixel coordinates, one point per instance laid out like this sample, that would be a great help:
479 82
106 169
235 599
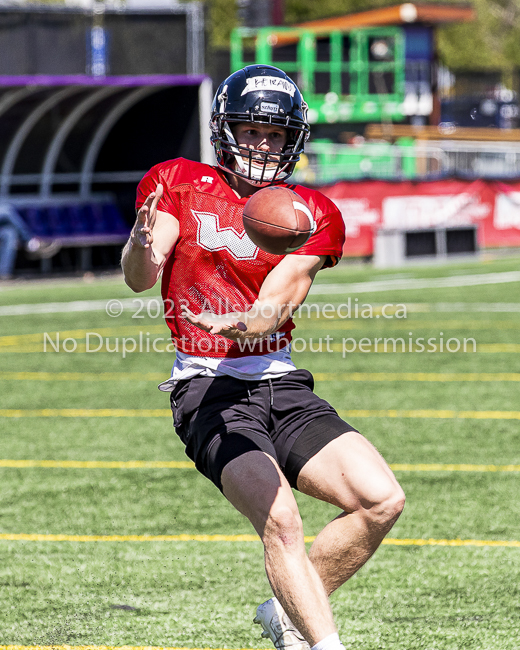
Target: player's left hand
228 325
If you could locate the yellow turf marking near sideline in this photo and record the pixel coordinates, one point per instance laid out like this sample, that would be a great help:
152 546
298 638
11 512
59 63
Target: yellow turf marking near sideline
241 538
186 464
85 413
407 324
10 340
87 376
101 464
98 647
93 647
16 537
430 413
318 376
37 337
167 346
415 376
358 413
438 467
485 348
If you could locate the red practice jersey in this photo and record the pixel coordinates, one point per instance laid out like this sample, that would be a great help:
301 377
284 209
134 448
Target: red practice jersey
214 265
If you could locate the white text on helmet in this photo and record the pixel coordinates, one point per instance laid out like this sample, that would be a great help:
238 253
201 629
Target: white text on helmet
267 107
269 83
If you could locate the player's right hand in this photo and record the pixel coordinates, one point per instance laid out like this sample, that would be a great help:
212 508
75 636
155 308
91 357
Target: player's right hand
228 325
142 232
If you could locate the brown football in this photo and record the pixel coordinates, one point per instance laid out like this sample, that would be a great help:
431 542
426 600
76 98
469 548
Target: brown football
278 220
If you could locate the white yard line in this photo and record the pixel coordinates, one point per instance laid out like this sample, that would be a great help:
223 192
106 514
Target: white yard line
344 290
454 307
129 304
416 283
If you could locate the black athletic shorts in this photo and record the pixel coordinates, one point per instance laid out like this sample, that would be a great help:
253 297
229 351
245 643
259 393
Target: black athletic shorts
221 418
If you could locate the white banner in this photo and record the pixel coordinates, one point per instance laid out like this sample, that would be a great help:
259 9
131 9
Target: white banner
356 213
507 211
404 212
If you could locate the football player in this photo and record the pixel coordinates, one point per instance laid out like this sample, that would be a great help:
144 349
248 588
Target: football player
249 419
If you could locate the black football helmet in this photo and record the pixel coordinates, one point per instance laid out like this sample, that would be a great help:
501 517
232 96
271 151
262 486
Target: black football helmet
258 93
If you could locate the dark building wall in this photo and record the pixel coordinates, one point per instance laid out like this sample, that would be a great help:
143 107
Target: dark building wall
58 42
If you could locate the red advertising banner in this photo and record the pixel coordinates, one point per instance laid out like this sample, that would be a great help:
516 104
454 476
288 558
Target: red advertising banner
367 206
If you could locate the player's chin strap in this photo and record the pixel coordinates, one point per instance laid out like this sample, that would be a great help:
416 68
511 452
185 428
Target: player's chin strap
259 176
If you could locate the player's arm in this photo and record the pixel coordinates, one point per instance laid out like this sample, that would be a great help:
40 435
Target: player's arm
281 293
151 241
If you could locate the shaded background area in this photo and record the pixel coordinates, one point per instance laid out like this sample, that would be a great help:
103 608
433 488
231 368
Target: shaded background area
63 72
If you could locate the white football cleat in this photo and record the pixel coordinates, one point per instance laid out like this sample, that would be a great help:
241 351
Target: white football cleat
278 627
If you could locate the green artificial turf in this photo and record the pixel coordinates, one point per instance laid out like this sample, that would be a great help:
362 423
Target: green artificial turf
197 594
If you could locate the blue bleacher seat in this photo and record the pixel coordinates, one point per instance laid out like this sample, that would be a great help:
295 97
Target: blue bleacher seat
94 215
78 220
59 225
94 219
114 219
36 221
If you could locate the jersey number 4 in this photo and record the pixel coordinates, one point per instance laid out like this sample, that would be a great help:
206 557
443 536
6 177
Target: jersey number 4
212 237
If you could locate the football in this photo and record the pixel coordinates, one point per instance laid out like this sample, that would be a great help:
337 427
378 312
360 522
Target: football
278 220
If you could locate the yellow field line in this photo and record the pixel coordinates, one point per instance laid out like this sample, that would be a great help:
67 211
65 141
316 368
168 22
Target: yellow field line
452 542
355 413
481 348
167 346
318 376
13 339
495 348
415 376
432 414
85 413
463 467
404 324
335 323
129 538
187 464
100 464
84 376
21 537
93 647
97 647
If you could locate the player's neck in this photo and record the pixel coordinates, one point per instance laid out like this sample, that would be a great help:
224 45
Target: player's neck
240 186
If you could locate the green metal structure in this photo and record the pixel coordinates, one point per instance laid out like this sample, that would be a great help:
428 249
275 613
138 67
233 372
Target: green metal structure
345 77
327 162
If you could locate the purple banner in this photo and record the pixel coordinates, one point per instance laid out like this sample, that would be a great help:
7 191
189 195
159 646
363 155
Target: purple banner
87 80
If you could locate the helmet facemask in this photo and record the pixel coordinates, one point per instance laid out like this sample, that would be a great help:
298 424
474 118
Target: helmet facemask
258 167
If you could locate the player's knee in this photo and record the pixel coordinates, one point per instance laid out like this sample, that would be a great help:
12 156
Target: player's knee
283 527
396 503
387 509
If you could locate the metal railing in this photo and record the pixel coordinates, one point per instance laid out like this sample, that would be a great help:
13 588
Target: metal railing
480 159
327 162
